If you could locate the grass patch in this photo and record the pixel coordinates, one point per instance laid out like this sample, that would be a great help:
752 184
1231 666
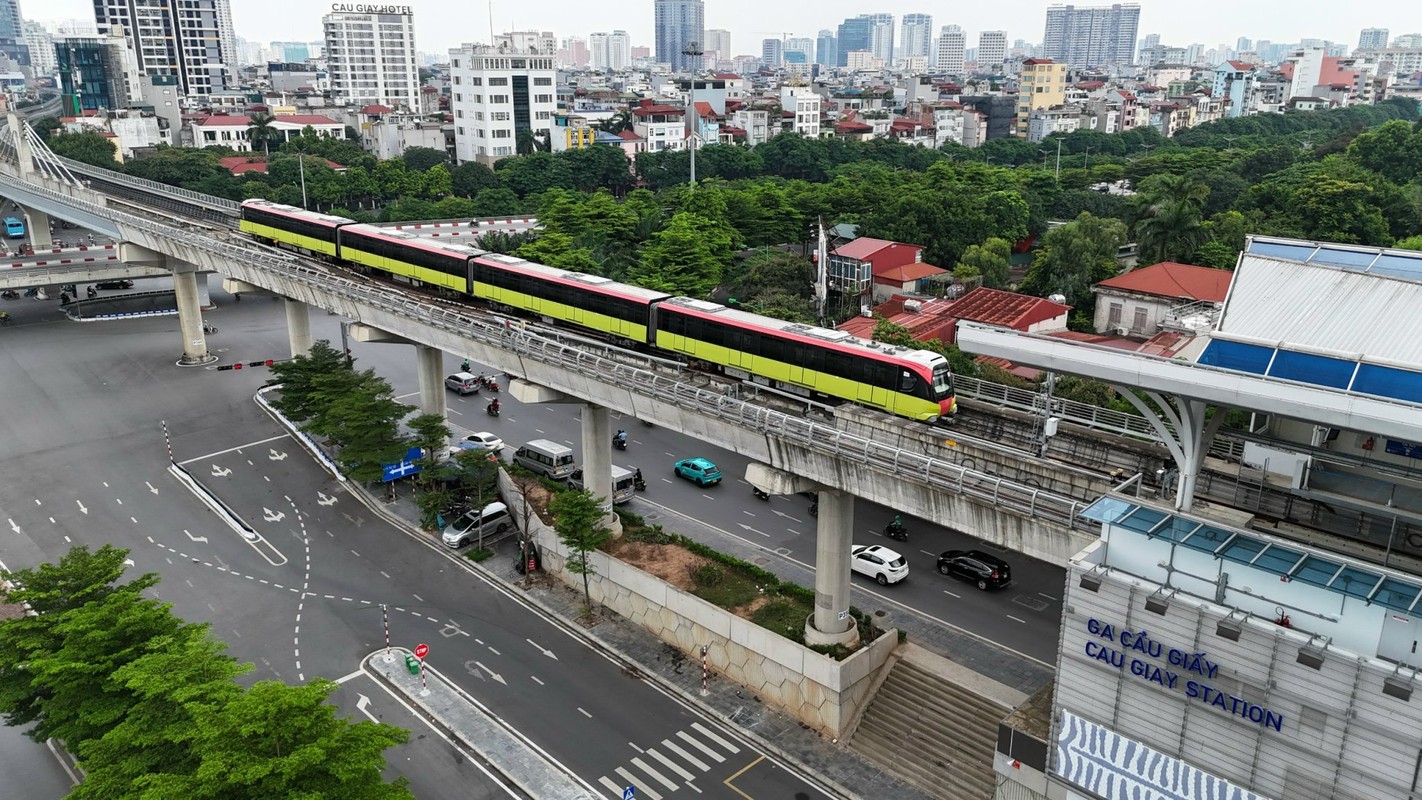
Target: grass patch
729 590
785 616
479 554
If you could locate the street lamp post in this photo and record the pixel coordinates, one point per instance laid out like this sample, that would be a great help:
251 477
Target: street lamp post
694 51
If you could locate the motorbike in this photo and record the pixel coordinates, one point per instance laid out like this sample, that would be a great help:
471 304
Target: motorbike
895 530
759 494
10 294
619 442
638 482
492 409
815 509
492 385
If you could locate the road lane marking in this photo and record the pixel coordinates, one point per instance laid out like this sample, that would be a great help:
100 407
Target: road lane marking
1044 594
611 787
586 714
634 746
950 594
741 772
687 757
710 734
642 788
1015 619
694 742
537 681
235 449
672 765
657 776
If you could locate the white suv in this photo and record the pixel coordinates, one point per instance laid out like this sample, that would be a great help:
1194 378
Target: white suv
878 562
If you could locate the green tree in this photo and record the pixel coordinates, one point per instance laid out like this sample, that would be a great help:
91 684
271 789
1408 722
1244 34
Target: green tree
1393 150
360 187
598 167
366 423
555 249
579 519
437 181
46 126
1170 225
422 159
1226 233
1073 258
678 259
176 166
471 177
991 260
86 146
310 383
534 173
1410 243
261 132
430 433
274 740
496 202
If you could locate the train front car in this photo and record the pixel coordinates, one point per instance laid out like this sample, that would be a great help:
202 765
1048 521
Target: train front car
806 360
292 227
409 258
601 305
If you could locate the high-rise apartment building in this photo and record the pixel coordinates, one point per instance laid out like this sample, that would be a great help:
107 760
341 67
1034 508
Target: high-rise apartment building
291 52
855 34
770 52
800 44
496 95
826 49
881 37
575 52
41 48
992 49
1372 38
1091 36
179 39
680 23
916 37
371 58
719 41
12 33
96 72
1243 44
951 50
610 52
1042 84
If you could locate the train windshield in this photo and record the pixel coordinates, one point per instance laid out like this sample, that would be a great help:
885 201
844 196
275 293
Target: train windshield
942 381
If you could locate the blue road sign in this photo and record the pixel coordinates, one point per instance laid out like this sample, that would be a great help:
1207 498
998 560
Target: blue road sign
629 793
404 469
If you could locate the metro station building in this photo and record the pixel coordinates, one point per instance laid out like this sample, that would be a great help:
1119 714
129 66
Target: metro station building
1211 652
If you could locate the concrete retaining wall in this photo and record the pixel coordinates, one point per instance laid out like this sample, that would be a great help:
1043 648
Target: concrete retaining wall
821 692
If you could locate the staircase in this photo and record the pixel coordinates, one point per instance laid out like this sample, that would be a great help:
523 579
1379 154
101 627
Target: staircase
932 733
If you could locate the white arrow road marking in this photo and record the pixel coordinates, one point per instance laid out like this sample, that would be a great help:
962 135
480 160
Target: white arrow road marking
195 538
151 487
540 649
787 516
361 704
14 526
128 562
492 674
272 516
276 455
753 530
220 472
326 500
82 509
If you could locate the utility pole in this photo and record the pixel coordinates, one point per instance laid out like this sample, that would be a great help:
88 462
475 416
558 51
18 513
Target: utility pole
1059 159
693 49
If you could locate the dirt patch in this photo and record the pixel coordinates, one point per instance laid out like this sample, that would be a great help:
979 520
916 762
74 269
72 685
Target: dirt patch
748 610
669 562
537 495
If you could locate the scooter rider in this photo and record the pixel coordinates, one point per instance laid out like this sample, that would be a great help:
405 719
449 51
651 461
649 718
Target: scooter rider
494 407
620 439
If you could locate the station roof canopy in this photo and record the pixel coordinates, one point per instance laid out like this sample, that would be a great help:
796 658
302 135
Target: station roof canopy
1327 333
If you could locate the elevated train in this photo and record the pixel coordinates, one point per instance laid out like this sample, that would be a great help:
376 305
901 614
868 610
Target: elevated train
800 359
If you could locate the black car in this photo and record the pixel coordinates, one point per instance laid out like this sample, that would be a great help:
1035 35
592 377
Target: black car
118 284
986 570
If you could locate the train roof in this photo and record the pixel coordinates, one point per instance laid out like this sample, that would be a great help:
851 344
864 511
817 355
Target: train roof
810 333
436 246
594 282
297 213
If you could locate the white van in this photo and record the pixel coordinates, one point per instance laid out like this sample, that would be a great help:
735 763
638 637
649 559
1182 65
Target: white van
546 458
493 518
622 488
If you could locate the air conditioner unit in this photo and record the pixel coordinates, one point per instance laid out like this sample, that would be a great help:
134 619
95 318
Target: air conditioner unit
912 306
1122 330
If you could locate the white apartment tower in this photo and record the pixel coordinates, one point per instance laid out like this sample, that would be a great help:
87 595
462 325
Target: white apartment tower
804 102
951 50
1372 38
992 49
183 40
610 52
718 41
497 94
916 37
371 57
881 36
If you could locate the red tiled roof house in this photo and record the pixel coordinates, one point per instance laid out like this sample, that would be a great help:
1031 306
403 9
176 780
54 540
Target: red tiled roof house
1137 303
877 269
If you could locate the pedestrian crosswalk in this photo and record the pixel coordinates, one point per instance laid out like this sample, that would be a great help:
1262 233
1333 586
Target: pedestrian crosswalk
670 764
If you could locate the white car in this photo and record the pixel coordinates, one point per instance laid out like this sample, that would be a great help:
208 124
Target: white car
878 562
483 440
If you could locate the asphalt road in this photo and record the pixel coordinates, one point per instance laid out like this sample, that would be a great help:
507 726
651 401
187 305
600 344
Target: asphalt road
86 463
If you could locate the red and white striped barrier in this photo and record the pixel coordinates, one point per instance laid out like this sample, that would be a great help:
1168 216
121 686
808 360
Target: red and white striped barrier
478 223
59 262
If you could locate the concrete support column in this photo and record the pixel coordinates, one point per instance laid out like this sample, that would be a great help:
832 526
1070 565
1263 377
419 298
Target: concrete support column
298 328
190 315
597 451
430 367
37 226
1188 442
831 623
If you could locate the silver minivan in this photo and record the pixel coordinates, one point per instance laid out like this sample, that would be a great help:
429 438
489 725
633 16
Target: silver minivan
546 458
493 518
622 483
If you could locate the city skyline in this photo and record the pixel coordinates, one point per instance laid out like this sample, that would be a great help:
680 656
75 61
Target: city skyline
1208 22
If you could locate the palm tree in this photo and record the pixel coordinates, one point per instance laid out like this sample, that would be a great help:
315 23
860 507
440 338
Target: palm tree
259 129
1172 231
617 123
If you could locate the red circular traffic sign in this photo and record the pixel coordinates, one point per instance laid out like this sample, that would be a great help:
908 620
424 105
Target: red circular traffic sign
421 650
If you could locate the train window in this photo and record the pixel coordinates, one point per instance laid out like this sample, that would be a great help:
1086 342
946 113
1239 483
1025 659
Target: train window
839 364
812 358
906 380
773 348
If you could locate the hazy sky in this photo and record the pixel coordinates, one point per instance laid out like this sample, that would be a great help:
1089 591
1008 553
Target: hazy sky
442 24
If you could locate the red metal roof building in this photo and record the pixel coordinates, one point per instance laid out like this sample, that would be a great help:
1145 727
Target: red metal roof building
1137 303
937 318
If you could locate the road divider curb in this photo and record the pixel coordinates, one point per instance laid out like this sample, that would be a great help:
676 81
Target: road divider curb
213 502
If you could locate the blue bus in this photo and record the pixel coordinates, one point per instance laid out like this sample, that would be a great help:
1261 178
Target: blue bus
14 228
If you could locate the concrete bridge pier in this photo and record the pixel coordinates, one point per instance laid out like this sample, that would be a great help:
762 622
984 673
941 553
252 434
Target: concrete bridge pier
430 370
596 440
298 328
185 288
37 226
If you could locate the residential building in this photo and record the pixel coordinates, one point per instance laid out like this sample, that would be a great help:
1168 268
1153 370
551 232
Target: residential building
13 44
574 53
302 78
610 52
387 134
718 41
1092 36
529 41
1408 40
770 53
930 318
1372 38
1041 84
184 40
881 36
804 102
827 49
128 129
1234 87
992 49
799 44
107 71
40 44
951 50
230 130
854 35
1043 122
1146 300
292 52
371 58
497 95
863 61
660 126
679 23
1305 68
754 125
1399 60
916 37
873 270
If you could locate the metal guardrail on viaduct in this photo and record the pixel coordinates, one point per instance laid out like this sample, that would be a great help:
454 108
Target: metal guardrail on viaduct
919 484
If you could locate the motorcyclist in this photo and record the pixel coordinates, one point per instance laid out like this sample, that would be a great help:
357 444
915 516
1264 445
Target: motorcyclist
898 524
465 366
494 406
636 476
620 439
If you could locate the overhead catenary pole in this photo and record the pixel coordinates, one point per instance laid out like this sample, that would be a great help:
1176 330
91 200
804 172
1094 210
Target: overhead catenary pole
693 49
